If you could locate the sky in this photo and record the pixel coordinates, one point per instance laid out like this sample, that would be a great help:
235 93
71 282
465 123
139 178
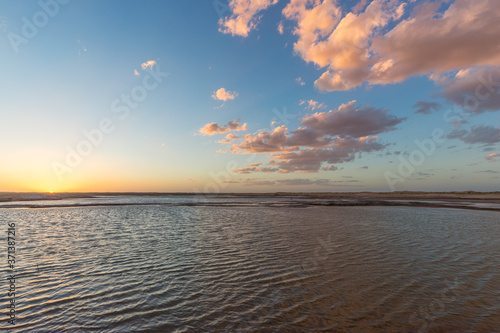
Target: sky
249 95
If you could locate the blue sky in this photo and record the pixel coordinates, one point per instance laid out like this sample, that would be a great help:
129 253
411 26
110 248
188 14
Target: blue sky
290 70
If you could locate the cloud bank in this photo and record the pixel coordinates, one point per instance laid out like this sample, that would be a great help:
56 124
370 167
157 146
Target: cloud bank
323 140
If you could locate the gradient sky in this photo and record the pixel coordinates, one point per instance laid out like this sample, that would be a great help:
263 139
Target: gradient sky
249 95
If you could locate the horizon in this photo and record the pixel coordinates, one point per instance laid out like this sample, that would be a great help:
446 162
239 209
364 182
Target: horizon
269 193
250 97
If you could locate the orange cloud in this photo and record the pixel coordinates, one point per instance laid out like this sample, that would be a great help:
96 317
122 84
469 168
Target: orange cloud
313 105
148 64
223 95
491 157
357 47
214 128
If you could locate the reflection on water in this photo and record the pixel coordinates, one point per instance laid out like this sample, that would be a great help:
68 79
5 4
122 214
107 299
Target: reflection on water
256 268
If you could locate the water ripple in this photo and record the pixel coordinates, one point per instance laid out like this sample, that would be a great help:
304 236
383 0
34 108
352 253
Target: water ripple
267 269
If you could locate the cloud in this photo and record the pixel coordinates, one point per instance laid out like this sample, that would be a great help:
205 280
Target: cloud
351 120
148 64
322 140
425 107
476 90
293 182
492 157
288 156
330 168
223 95
254 167
264 141
311 159
313 105
136 73
244 17
333 137
214 128
280 28
388 41
488 171
302 181
299 81
259 183
477 134
230 137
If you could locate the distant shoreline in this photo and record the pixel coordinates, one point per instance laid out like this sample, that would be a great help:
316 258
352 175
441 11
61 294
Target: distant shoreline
489 201
402 195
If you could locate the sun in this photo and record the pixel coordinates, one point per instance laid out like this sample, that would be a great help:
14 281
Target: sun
51 192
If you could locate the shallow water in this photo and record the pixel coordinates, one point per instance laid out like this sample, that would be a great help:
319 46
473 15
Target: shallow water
251 267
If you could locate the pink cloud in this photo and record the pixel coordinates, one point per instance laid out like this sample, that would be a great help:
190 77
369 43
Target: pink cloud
148 64
280 28
254 167
476 89
313 105
375 44
330 138
294 182
244 16
223 95
492 157
351 120
264 142
311 159
214 128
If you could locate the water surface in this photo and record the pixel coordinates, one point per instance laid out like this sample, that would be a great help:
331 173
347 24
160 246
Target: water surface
250 266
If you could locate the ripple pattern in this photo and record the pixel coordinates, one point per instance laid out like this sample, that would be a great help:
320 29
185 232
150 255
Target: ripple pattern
255 269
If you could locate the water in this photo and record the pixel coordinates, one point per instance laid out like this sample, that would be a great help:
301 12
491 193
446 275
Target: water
257 264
